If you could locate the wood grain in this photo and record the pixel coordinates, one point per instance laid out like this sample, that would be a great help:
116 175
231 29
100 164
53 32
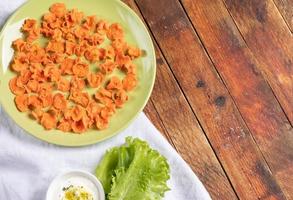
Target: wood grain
185 132
210 100
153 115
271 42
253 96
285 7
259 22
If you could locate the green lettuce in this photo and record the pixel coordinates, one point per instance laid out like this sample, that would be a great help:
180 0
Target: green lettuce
133 171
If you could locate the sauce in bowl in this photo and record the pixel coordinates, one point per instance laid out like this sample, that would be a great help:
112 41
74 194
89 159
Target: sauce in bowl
75 185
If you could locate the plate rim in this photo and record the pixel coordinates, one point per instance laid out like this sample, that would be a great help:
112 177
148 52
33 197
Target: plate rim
118 131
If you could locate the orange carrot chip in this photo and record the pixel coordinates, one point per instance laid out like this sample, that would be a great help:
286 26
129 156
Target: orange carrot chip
80 69
101 123
59 101
92 54
78 97
102 54
115 31
102 27
77 83
70 37
77 112
73 17
47 100
133 52
69 47
32 86
18 44
33 34
59 9
37 114
110 53
56 58
21 102
14 88
107 67
49 17
57 34
18 66
93 109
119 97
81 33
44 88
34 102
95 80
48 121
55 46
81 47
119 45
114 83
129 82
64 125
74 41
23 78
44 91
80 126
52 73
66 66
121 60
90 22
104 96
63 85
95 39
29 24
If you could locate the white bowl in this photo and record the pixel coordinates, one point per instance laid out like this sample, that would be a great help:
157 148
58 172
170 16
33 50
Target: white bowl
77 178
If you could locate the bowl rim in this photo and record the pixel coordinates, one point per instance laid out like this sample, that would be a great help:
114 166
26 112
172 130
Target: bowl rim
84 173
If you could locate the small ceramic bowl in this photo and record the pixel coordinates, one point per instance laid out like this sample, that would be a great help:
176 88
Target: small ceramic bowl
76 178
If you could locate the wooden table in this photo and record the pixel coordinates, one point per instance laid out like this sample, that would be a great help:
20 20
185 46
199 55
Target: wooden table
223 95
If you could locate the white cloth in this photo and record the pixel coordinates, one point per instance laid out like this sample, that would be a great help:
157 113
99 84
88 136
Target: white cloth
28 165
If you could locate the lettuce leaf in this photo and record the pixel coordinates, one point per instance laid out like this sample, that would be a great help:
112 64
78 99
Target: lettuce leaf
133 171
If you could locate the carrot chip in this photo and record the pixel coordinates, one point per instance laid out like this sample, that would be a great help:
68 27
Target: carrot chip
68 83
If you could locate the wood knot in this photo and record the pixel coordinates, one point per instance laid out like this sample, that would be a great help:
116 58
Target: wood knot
200 84
160 61
220 101
261 12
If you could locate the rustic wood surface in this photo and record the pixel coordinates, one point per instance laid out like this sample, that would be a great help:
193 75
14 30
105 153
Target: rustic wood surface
223 95
286 9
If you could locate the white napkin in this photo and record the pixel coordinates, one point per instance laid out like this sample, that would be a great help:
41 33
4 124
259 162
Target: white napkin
28 165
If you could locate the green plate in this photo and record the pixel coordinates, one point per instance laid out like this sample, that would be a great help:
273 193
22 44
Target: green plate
136 34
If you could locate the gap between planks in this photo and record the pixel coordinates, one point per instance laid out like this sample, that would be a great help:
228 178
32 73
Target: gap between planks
234 103
190 109
266 79
152 113
223 81
288 21
226 83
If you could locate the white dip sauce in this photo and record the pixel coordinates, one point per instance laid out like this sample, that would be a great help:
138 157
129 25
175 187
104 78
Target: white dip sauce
76 184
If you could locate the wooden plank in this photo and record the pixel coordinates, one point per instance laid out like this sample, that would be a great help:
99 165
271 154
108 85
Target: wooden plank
154 117
285 7
184 130
253 96
186 133
151 112
271 42
210 100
